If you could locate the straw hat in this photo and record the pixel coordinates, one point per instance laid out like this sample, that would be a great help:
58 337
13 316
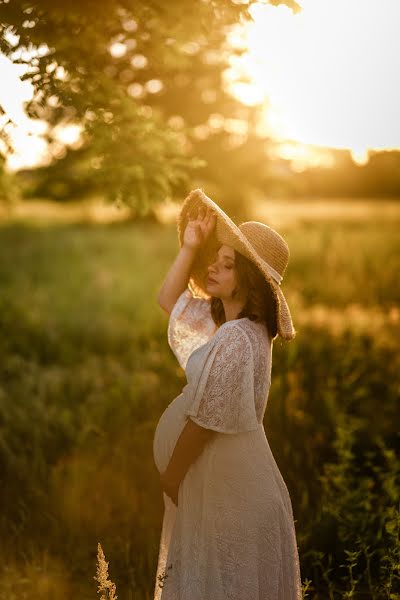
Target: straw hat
256 241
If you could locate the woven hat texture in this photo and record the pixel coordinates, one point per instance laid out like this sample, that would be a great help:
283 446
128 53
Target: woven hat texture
261 244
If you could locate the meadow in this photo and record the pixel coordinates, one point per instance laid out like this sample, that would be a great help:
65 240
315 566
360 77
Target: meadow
86 371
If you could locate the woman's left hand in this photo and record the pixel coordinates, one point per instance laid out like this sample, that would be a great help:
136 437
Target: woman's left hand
171 488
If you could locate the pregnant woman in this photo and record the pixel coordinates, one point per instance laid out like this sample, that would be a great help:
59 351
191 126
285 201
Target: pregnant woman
228 530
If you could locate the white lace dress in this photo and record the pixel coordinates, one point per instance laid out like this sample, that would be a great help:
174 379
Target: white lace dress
232 535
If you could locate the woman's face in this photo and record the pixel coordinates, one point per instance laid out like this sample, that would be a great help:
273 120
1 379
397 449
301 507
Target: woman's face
222 273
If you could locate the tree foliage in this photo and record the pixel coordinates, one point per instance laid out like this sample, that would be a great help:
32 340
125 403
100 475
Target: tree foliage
140 77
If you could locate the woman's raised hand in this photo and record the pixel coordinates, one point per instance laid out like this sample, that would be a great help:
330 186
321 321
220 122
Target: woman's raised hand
199 227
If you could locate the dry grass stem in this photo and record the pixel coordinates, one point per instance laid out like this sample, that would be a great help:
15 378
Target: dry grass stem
106 587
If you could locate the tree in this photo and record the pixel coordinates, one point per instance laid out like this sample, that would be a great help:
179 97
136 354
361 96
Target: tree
140 77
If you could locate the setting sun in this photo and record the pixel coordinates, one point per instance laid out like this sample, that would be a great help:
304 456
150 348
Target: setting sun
328 75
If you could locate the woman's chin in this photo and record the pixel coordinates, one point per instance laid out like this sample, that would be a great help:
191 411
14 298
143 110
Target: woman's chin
210 289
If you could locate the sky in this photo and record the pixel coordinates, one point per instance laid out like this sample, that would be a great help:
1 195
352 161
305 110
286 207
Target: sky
26 136
328 77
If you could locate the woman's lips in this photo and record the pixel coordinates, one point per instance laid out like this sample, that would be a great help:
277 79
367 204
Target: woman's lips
210 280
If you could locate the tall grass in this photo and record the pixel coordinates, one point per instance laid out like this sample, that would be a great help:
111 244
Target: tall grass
85 372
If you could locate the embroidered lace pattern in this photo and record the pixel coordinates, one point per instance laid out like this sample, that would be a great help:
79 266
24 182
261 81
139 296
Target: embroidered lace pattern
227 401
190 325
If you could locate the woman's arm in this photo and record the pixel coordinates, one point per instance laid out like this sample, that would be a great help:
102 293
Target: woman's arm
177 278
196 232
187 449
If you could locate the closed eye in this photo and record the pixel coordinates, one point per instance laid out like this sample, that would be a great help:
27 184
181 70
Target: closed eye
226 265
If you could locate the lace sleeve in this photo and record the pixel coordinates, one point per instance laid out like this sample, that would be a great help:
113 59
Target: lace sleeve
224 396
190 325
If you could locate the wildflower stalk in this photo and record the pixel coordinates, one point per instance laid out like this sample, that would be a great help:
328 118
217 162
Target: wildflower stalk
305 586
368 555
351 562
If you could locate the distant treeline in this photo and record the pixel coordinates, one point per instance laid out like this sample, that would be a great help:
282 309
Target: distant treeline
379 177
68 179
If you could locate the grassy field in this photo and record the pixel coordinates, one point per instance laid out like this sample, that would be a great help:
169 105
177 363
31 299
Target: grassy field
86 371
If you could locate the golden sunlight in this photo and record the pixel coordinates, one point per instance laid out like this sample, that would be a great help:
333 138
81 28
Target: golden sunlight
328 75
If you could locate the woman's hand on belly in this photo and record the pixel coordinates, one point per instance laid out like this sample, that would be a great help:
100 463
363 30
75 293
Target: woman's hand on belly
170 487
188 448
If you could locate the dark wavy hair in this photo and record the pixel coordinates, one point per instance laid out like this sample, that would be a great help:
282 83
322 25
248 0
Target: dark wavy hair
261 303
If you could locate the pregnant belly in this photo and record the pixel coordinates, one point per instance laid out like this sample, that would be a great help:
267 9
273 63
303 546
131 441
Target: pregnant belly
167 432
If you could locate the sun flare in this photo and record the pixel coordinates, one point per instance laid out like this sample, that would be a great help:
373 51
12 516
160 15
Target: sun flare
328 75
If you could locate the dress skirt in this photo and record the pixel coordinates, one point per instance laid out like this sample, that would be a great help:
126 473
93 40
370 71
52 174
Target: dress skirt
232 535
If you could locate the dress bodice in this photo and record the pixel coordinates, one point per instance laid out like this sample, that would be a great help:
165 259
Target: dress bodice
222 362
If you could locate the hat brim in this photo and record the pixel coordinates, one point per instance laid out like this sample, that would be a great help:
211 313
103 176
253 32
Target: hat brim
227 232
